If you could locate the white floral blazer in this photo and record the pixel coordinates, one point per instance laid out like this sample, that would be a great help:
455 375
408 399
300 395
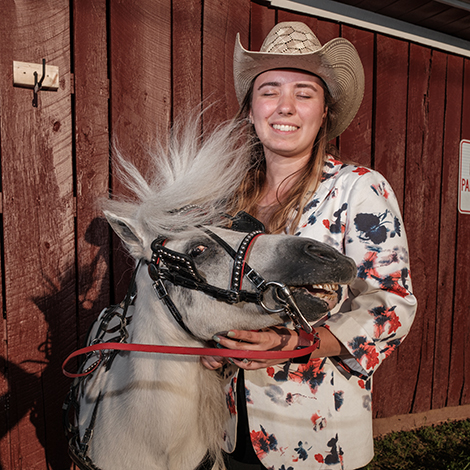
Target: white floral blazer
318 415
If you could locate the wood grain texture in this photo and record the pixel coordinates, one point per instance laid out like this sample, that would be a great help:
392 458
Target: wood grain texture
262 21
186 57
92 159
463 253
426 100
391 78
447 238
355 143
391 97
412 364
221 23
140 68
5 393
39 238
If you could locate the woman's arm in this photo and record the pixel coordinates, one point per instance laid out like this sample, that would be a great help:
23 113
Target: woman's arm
277 338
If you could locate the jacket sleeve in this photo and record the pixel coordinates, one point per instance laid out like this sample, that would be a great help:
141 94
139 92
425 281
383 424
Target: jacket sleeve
380 308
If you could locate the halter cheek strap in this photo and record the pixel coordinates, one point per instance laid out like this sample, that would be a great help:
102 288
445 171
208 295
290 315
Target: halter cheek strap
156 276
240 265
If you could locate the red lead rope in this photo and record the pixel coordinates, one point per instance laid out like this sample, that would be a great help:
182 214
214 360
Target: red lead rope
151 348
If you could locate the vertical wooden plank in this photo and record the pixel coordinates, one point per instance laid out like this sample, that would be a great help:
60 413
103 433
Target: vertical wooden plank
390 111
389 158
221 23
8 402
448 232
140 34
262 21
356 141
414 361
140 55
187 56
92 158
459 391
39 238
5 462
422 198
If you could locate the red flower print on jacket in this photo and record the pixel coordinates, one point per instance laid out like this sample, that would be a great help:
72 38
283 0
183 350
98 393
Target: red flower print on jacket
229 398
360 170
385 320
263 442
364 352
310 373
391 283
368 267
380 190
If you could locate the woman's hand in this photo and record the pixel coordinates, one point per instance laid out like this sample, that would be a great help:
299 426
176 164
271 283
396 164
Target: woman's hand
213 362
276 338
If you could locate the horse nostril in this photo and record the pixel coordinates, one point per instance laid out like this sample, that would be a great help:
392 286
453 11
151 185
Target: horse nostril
323 252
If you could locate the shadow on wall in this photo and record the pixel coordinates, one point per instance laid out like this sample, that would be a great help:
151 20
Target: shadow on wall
41 395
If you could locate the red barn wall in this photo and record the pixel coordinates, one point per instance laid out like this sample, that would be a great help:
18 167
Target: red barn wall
127 69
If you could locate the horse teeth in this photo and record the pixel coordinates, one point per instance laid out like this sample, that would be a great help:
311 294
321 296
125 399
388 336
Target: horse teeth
328 287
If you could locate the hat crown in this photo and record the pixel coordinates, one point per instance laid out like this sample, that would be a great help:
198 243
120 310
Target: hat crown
290 38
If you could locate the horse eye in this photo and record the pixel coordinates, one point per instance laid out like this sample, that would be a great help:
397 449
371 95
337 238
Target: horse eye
198 250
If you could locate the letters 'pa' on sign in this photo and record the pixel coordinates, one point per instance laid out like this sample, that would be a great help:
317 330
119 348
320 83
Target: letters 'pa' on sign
464 177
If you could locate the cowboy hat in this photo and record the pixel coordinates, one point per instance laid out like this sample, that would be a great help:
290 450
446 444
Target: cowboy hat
293 45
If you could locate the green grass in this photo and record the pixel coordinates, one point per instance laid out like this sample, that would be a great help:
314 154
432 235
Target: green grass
443 447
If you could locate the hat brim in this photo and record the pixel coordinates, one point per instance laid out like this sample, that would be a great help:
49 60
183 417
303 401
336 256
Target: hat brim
337 63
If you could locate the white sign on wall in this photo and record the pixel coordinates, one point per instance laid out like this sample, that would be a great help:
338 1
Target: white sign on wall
464 177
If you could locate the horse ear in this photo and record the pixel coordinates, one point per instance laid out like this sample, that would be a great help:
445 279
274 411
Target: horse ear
126 230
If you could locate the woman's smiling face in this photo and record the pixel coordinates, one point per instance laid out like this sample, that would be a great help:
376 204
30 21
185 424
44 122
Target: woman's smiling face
287 110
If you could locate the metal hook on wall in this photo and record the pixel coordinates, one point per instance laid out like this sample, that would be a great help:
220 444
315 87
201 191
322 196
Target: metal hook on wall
38 83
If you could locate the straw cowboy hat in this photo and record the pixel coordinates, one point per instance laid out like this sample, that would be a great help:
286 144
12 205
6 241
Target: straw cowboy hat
293 45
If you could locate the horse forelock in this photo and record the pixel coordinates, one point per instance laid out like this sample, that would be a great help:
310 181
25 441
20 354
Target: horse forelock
200 171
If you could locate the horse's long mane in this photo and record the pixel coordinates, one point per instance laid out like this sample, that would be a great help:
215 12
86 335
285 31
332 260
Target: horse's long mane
195 168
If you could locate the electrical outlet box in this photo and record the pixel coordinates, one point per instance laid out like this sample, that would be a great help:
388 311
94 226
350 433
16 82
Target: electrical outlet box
23 75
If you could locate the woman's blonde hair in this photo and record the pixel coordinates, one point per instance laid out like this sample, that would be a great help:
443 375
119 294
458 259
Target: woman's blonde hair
287 213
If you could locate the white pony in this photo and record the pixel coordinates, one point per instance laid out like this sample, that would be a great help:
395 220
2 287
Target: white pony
166 412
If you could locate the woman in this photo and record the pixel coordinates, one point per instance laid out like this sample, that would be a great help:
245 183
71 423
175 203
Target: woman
297 95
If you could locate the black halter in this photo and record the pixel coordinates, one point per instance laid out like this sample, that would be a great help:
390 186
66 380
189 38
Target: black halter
179 269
